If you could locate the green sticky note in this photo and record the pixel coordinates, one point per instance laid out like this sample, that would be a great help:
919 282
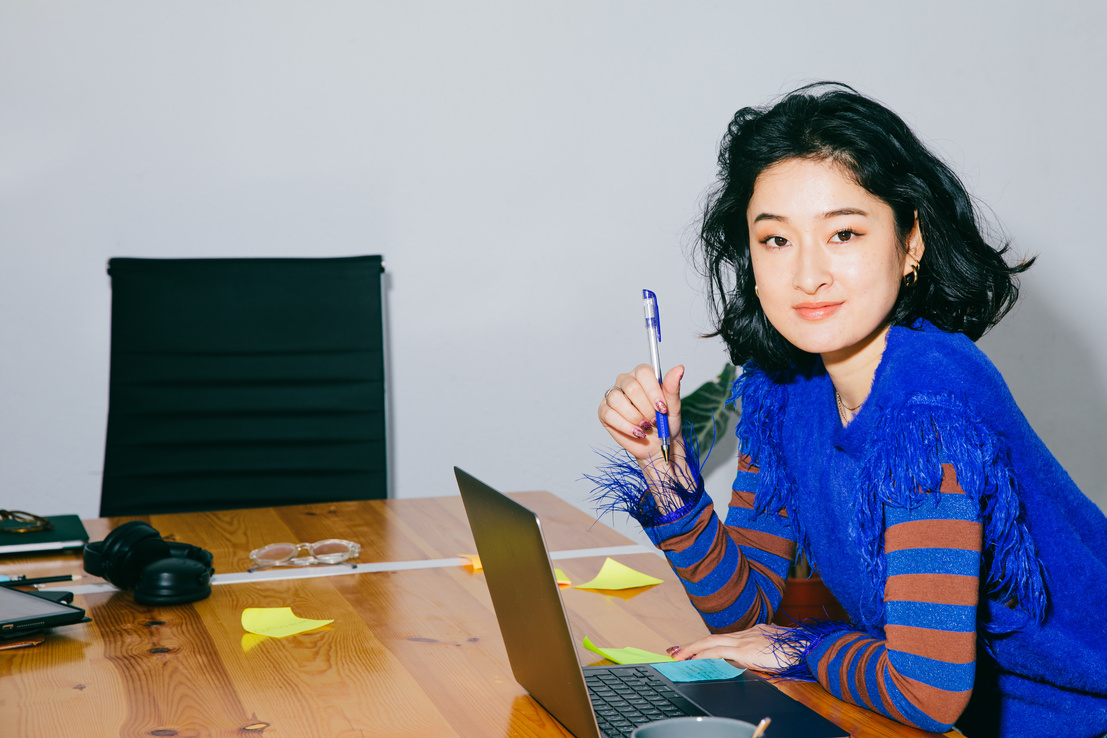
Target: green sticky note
698 670
614 575
628 655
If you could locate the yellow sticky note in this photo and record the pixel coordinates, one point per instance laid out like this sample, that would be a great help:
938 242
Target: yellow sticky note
250 641
629 655
614 575
277 622
562 578
474 561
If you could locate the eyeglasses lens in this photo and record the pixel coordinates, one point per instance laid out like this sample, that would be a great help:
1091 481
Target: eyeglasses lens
275 553
331 550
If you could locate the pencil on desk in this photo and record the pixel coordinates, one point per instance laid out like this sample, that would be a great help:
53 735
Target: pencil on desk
40 580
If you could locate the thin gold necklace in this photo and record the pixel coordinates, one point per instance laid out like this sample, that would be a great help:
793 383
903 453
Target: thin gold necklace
842 408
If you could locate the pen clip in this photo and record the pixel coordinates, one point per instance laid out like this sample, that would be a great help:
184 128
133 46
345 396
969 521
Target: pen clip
653 317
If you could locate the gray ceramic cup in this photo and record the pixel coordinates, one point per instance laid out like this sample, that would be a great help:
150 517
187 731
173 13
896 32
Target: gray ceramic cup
696 727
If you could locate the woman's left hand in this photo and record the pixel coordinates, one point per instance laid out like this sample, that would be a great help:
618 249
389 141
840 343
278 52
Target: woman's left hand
749 649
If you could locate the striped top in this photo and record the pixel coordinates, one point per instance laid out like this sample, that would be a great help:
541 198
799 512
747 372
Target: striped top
897 535
921 671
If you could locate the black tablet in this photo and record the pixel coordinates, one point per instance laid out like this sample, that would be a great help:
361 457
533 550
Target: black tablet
23 612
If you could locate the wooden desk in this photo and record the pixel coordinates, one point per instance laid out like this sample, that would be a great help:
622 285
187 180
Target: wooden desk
412 652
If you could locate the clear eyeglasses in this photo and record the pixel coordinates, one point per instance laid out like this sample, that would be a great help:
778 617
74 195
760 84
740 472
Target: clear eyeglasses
330 551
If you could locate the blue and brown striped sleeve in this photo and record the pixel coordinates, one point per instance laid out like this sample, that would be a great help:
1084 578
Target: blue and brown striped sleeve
734 573
922 672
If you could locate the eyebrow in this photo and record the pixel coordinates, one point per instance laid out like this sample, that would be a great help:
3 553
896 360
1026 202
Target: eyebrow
825 216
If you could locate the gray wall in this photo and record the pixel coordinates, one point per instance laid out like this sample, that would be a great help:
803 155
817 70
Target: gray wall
525 168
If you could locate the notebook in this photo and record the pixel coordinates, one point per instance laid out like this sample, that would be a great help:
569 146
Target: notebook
541 648
66 531
23 612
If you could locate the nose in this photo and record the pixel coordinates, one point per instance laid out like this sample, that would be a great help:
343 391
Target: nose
812 269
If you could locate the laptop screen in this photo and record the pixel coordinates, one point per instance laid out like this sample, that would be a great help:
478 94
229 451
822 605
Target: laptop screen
528 604
540 644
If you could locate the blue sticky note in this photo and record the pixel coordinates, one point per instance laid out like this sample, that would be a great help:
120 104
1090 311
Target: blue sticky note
697 670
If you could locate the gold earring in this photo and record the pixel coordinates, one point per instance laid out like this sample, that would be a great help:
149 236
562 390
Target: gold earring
756 293
910 279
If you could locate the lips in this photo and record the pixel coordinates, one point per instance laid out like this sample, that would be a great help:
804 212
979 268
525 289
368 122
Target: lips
816 310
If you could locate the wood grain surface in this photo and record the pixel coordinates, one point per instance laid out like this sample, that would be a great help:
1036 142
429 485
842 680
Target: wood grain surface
410 652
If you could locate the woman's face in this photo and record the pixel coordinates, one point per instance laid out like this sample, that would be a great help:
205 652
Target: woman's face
826 258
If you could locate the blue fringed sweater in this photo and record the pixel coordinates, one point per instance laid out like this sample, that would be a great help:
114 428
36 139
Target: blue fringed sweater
973 569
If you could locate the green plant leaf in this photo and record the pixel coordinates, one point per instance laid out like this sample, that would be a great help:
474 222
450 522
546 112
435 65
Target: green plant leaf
705 408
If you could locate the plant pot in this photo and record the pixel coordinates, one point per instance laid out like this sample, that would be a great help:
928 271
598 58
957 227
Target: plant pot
807 599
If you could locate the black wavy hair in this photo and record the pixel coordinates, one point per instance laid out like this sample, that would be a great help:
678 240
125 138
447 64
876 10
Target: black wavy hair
964 284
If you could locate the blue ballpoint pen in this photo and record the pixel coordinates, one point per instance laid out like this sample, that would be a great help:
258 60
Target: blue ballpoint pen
653 330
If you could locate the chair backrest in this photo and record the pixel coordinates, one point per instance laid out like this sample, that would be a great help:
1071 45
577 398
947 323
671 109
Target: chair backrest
244 383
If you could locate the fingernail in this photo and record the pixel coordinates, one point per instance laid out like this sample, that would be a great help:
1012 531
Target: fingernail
661 407
646 425
673 650
639 434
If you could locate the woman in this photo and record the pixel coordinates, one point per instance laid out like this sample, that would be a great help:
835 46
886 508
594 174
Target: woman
849 276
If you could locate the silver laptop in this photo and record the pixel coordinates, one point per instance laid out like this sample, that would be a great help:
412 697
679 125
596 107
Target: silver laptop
543 655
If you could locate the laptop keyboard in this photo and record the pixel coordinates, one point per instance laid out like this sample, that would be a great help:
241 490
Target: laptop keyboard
627 697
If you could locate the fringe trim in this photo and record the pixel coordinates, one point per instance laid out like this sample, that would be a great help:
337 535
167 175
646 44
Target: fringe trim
620 485
795 644
901 461
904 459
761 437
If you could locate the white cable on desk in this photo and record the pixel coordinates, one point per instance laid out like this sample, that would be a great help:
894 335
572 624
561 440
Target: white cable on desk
309 572
580 553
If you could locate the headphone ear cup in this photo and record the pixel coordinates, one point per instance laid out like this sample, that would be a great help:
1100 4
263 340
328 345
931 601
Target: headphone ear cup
173 581
100 556
125 553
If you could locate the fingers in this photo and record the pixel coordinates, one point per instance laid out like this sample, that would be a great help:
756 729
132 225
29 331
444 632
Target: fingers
618 413
671 383
670 392
729 653
751 648
629 408
625 414
698 648
635 396
652 398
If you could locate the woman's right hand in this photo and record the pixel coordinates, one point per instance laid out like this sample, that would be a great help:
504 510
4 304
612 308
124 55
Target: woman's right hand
629 408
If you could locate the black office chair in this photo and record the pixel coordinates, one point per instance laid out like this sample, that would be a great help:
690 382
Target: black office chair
244 383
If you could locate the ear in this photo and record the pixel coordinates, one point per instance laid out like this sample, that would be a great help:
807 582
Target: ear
915 248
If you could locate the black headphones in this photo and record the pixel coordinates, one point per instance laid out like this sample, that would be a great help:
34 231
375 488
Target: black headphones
135 556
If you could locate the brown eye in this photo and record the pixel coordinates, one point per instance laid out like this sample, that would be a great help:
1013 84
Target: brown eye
843 236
